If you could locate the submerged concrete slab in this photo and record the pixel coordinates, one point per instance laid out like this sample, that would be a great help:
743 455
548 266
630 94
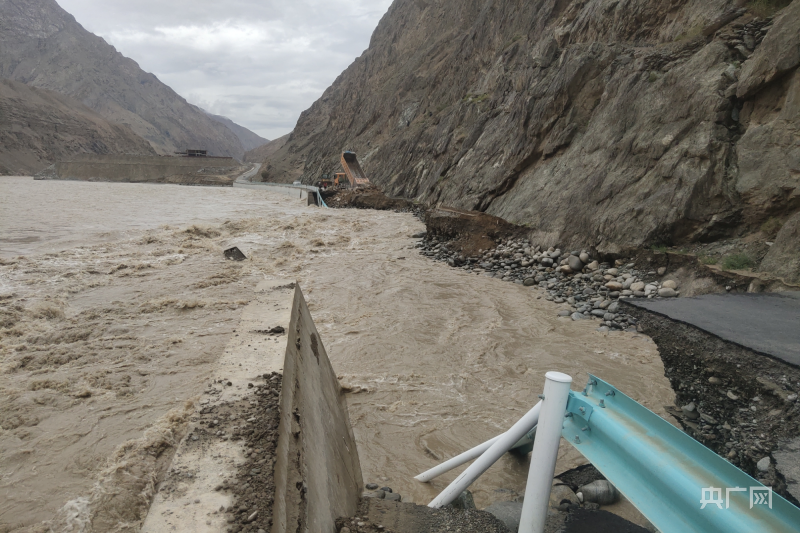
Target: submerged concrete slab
768 324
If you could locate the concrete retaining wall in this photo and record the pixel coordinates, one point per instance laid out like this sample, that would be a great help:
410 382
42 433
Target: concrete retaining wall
317 471
132 168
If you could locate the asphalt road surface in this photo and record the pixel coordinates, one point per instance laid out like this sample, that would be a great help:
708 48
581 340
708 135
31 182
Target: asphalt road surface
768 323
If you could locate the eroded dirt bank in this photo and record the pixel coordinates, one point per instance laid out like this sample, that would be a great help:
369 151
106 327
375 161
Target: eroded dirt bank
103 340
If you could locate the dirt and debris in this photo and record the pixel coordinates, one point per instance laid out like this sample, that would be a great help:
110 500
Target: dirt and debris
253 420
365 198
740 404
381 516
254 489
469 232
277 330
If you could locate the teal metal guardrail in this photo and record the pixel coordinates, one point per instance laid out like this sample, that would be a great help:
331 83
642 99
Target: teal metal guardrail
677 483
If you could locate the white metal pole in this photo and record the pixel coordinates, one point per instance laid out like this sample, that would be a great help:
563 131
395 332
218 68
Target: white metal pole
545 453
468 456
503 443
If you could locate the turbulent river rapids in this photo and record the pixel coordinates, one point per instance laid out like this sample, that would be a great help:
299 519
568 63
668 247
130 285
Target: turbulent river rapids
115 302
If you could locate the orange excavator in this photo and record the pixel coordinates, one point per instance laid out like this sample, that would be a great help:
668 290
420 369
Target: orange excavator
353 171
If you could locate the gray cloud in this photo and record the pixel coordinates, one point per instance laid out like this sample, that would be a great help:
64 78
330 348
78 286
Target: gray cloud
258 62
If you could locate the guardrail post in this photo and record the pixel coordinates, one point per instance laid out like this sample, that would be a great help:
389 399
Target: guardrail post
545 452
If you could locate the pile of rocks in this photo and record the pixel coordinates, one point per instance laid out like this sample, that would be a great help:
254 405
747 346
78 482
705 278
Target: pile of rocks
590 287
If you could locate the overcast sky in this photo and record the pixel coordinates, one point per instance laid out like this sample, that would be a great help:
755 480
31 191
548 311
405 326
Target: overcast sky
258 62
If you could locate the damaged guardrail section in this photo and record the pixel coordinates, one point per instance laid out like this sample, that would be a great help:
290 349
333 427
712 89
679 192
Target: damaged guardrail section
676 482
317 472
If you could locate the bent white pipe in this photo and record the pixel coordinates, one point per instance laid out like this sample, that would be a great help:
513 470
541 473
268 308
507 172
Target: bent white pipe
469 455
496 450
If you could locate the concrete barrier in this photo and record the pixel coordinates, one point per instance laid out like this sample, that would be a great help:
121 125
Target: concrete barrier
317 471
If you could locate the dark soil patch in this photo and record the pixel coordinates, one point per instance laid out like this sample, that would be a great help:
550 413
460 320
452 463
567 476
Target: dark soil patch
469 231
746 404
588 521
582 475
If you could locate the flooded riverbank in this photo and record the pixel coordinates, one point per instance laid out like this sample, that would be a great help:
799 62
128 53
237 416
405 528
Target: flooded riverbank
122 303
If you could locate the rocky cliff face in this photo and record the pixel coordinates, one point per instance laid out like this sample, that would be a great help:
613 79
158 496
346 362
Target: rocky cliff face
603 123
39 127
42 45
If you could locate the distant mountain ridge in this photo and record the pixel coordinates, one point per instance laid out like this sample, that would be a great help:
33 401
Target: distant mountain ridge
249 139
38 127
261 153
44 46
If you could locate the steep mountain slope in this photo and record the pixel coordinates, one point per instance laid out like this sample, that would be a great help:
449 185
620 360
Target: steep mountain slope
601 123
249 139
260 154
38 127
42 45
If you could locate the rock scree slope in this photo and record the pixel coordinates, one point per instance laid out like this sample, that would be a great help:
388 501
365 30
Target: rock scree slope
597 123
44 46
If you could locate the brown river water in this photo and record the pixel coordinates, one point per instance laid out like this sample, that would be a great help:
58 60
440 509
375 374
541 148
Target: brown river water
115 302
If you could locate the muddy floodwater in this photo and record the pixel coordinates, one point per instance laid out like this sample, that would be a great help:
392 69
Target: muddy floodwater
116 301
